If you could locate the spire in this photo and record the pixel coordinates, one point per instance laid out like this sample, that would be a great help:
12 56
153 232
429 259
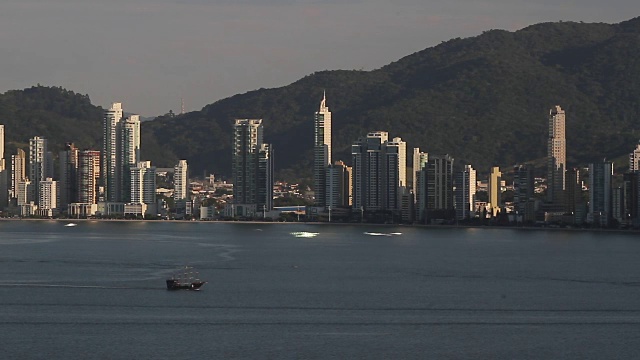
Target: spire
323 103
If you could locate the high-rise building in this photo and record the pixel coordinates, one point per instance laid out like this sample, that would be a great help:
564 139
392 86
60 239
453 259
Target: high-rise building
143 183
338 190
68 183
600 188
128 152
38 163
634 159
88 176
394 172
47 197
111 173
631 189
465 193
368 161
495 190
4 174
523 192
252 167
436 189
420 160
556 156
18 173
321 150
181 180
24 192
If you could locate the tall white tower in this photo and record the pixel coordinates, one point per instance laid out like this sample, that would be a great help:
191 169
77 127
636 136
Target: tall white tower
321 150
128 153
180 180
556 156
110 170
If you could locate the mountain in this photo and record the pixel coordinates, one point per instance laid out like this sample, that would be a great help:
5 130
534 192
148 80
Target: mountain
484 100
52 112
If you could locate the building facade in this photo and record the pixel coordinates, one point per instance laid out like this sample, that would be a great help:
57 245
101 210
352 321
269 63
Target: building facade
465 193
68 181
321 151
181 180
38 163
111 173
88 176
252 167
556 157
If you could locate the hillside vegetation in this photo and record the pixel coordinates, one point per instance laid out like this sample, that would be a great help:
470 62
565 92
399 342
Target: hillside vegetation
484 100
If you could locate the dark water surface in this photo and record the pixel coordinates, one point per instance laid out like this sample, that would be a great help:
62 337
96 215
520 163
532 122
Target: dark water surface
96 291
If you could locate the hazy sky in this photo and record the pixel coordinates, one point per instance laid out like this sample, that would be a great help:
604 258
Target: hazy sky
150 53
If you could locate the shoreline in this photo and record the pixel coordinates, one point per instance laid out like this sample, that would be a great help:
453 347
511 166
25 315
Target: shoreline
257 222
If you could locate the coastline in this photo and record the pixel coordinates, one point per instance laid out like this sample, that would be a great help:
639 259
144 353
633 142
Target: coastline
257 222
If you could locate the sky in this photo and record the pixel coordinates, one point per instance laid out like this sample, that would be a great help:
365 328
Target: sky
148 54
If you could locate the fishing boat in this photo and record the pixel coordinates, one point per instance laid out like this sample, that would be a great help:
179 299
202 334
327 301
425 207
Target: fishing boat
185 279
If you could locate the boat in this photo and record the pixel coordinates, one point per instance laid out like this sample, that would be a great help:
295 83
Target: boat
185 279
71 224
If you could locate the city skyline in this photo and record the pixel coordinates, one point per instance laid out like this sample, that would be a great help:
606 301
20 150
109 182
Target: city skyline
206 51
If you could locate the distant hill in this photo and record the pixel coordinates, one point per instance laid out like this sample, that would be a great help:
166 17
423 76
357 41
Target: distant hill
484 100
54 113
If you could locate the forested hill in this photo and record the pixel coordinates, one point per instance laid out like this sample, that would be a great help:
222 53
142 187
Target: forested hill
484 100
51 112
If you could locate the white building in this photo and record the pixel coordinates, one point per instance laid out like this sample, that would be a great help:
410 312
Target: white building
143 183
181 180
110 170
18 173
47 197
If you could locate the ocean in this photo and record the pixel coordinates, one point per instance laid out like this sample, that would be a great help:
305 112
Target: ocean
302 291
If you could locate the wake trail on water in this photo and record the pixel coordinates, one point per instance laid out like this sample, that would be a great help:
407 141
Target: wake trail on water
32 285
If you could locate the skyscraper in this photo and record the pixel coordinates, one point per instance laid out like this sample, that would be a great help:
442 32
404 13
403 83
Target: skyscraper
321 150
180 180
38 163
252 167
523 190
420 160
495 190
338 185
110 171
394 173
68 183
88 176
18 173
600 188
436 192
128 131
465 193
4 176
368 161
556 156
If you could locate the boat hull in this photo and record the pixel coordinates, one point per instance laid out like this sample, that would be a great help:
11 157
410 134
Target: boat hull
177 285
